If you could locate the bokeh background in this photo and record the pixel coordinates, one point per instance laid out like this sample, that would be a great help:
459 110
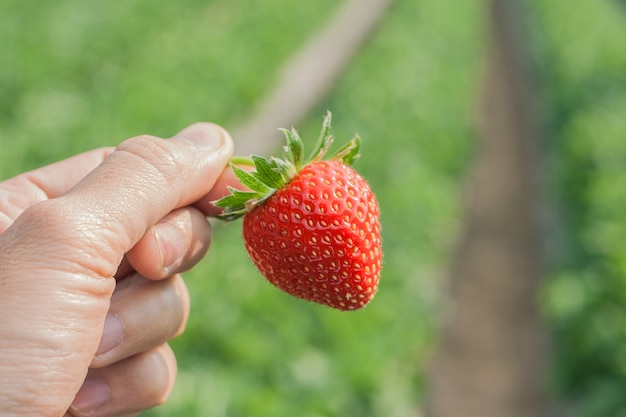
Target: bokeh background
75 75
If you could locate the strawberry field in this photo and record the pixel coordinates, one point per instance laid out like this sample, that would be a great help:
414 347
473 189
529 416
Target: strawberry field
77 75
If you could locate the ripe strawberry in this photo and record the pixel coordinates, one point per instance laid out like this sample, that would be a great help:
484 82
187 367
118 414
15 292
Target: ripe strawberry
312 229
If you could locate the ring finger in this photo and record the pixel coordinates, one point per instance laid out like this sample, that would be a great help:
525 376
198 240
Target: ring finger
143 314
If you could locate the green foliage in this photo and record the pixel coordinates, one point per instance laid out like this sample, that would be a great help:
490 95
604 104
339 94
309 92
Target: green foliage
583 76
78 75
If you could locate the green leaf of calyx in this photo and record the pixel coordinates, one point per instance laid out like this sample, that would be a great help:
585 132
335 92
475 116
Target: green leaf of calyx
294 150
324 141
237 199
250 181
286 169
267 172
350 152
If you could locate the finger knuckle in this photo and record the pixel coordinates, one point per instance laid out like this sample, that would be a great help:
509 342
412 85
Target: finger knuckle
45 217
63 228
152 152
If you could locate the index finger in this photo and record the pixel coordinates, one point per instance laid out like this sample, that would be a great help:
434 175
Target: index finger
57 179
220 189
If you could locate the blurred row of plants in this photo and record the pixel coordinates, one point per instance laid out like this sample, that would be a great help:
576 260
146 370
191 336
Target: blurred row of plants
76 75
582 74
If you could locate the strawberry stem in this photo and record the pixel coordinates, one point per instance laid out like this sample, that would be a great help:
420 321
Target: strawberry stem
241 160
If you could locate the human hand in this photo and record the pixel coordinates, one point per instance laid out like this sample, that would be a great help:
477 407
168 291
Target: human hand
89 263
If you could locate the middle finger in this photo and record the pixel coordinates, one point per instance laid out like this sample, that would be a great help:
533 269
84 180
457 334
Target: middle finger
173 245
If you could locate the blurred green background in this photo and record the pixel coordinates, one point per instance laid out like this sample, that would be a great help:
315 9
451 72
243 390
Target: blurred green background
75 75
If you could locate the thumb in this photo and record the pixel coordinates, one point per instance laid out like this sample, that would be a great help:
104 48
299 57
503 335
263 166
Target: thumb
58 258
145 178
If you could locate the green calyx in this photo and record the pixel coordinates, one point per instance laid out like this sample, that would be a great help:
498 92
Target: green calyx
270 175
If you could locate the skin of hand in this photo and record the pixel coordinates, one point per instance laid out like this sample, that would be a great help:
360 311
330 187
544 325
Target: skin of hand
90 251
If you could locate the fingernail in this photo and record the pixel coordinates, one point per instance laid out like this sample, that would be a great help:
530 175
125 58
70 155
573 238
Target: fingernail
204 136
92 395
171 244
111 335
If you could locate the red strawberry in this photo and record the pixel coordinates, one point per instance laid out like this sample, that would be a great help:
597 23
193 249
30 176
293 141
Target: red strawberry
312 229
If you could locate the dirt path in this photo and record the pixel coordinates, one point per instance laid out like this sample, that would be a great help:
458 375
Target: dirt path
491 358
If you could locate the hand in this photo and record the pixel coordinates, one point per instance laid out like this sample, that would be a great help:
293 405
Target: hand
90 251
